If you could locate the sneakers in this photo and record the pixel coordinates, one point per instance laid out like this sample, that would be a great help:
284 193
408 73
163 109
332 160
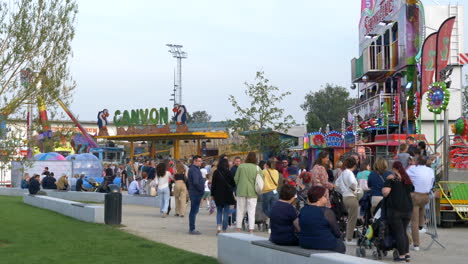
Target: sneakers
400 260
416 248
194 232
423 230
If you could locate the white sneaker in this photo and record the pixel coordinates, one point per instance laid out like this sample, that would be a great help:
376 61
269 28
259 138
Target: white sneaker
416 248
423 231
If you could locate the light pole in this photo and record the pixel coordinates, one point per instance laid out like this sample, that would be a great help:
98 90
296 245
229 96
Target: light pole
176 51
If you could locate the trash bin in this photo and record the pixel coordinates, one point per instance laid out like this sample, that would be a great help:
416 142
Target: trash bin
113 206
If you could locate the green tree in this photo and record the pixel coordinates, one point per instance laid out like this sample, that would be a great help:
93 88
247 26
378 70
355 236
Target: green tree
327 106
199 117
260 117
35 48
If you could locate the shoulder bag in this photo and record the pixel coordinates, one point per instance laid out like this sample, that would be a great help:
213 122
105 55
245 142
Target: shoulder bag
259 183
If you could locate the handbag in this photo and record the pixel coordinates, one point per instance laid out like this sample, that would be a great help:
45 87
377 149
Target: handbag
259 183
153 191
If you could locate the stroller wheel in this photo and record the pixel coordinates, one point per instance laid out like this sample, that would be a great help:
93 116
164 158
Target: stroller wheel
375 255
395 254
358 252
385 253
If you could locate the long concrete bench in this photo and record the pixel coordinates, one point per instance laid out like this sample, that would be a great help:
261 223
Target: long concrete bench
12 191
244 248
94 197
80 211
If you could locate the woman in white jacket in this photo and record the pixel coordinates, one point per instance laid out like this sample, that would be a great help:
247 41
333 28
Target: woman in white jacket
347 186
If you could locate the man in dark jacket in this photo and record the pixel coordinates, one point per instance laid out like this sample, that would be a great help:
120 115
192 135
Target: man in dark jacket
34 185
49 182
196 190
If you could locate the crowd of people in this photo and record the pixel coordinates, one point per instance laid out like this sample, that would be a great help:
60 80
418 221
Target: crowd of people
233 188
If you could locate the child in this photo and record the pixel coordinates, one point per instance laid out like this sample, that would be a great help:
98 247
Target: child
363 176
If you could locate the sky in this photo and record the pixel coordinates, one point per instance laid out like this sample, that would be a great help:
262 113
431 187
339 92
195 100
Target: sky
120 61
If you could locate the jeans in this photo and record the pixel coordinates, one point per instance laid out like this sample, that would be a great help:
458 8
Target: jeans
398 222
268 199
194 207
164 196
222 215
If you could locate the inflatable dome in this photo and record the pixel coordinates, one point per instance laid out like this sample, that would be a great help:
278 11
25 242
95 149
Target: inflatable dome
49 156
86 164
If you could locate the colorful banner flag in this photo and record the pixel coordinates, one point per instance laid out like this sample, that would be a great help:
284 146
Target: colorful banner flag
428 61
443 45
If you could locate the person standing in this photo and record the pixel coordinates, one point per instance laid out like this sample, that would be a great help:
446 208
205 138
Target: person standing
320 175
237 162
180 189
376 181
270 193
347 186
162 181
196 191
222 191
403 156
423 181
397 189
246 195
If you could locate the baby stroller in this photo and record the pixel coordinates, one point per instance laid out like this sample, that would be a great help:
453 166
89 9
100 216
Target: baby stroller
363 242
260 217
301 196
337 206
377 236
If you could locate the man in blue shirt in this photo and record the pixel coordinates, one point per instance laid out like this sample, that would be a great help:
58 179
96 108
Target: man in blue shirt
196 184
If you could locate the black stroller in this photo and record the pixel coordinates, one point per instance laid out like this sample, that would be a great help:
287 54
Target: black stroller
337 206
377 236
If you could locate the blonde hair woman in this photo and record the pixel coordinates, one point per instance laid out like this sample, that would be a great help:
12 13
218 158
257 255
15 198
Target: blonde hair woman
180 189
376 181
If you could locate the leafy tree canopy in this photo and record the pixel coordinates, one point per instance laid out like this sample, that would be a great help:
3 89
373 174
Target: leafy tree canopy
327 106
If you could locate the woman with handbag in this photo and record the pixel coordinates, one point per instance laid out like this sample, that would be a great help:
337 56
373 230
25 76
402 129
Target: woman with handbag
247 190
180 189
376 181
222 192
348 187
399 205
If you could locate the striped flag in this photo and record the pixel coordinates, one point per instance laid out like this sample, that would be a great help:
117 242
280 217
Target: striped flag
463 58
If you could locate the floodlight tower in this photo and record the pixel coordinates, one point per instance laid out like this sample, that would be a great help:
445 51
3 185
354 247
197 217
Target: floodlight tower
176 51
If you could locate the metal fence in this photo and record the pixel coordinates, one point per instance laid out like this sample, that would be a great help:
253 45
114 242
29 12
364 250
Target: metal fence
431 216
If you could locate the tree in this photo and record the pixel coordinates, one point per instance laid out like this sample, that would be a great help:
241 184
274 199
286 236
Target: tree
327 106
261 117
199 117
35 47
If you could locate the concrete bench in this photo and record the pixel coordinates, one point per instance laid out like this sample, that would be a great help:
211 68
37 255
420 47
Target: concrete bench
12 191
80 211
244 248
95 197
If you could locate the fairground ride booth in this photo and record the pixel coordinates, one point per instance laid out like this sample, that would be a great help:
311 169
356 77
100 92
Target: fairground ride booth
335 143
175 137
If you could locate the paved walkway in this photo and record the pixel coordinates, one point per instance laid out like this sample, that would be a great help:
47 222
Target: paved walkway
146 222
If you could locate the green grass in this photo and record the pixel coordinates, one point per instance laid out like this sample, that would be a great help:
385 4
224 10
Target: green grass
32 235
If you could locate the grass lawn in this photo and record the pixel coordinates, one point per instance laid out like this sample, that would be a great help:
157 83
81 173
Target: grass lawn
32 235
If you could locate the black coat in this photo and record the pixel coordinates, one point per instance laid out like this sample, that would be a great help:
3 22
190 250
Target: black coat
222 187
34 186
49 183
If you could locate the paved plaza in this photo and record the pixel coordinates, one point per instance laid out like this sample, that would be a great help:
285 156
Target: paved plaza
146 222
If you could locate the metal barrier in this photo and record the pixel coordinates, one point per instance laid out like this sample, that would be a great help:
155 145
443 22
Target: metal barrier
432 222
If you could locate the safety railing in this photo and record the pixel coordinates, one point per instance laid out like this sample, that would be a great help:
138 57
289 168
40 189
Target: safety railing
431 225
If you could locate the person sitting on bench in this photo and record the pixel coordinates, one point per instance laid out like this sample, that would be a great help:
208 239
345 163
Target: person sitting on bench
319 228
283 218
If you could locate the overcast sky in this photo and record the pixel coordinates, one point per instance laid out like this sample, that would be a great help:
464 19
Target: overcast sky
121 62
